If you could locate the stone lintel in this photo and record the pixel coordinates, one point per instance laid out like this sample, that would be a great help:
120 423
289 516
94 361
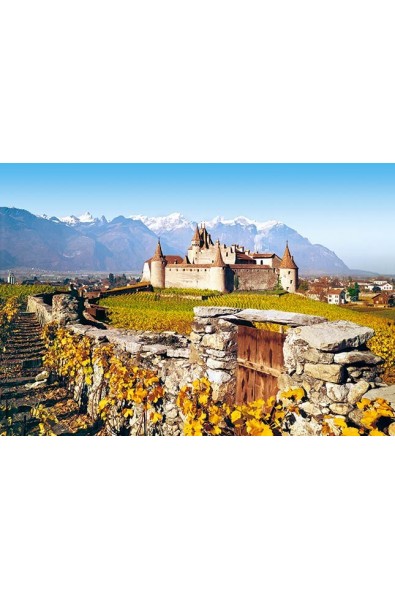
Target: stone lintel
214 311
275 316
336 335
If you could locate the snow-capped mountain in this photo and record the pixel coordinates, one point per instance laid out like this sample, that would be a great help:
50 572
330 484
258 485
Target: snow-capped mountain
243 221
258 236
123 244
86 217
171 222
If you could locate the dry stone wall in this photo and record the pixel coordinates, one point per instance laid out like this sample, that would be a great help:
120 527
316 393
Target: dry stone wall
329 360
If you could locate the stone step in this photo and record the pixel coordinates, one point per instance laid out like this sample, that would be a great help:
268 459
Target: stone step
15 381
24 363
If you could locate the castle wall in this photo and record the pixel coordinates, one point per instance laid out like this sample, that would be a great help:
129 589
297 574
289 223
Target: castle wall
188 277
146 275
254 278
204 256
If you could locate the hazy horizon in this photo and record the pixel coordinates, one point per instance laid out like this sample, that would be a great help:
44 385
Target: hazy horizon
348 208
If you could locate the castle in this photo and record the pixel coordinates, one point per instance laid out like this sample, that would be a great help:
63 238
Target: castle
220 267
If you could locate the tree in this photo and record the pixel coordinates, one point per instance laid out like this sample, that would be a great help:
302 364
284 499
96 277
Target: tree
353 292
303 285
111 278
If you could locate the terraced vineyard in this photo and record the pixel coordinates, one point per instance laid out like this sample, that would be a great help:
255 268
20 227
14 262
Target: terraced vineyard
31 404
21 292
164 312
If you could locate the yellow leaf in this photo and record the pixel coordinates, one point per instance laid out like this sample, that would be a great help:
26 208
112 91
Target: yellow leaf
235 416
155 417
350 431
376 432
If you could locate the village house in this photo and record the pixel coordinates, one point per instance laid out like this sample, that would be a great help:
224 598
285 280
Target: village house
220 267
336 296
383 299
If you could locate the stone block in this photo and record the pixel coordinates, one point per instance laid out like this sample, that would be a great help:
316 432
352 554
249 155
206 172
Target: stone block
335 336
195 338
312 355
277 316
216 341
355 417
337 393
386 393
391 429
218 353
358 391
304 427
178 352
285 382
310 408
218 377
340 408
214 311
196 357
227 365
331 373
357 356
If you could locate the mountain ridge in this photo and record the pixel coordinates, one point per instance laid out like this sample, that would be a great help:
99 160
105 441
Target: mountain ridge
124 243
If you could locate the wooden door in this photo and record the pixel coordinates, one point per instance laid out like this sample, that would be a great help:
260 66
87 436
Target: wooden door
260 361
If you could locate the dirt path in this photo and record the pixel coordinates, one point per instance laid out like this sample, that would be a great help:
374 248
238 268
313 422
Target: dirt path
24 385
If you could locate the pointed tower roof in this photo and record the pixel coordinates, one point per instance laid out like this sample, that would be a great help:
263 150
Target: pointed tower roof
218 261
196 235
287 261
158 252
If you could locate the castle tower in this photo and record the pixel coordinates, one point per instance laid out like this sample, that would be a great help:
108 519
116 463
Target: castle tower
218 271
194 248
196 238
288 272
158 264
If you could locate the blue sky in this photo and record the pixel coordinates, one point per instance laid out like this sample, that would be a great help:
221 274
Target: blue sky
348 208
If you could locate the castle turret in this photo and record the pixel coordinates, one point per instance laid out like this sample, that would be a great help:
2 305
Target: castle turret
288 272
196 237
218 271
158 264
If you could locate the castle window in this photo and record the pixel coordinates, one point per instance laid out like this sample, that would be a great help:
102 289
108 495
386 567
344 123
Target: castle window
289 272
290 281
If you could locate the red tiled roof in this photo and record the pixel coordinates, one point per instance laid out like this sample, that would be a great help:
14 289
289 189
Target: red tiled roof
264 255
218 260
158 252
287 261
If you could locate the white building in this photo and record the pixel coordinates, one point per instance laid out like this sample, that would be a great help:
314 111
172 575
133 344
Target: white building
337 296
387 287
11 278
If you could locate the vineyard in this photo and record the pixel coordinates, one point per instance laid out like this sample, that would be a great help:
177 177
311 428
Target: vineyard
163 312
21 292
